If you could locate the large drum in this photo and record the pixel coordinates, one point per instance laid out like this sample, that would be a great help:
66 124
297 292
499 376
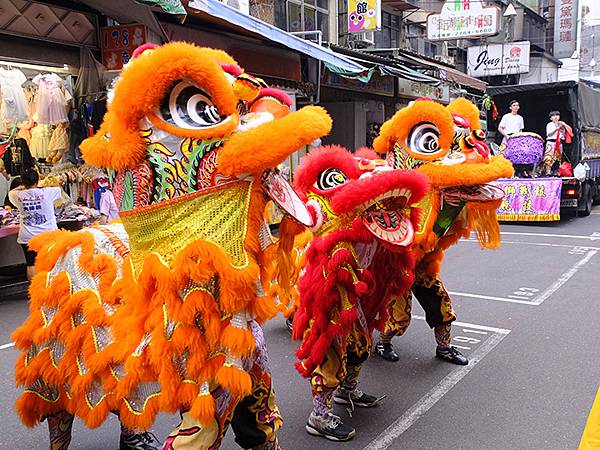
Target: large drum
524 148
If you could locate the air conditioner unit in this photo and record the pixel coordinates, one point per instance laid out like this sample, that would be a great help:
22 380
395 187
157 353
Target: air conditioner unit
364 40
445 59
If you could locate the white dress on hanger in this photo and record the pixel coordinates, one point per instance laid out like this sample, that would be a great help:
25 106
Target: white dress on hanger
13 105
51 101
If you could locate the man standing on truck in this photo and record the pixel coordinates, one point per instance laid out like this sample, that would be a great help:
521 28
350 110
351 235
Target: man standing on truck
511 122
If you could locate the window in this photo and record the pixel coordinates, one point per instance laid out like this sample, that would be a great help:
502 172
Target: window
389 36
303 15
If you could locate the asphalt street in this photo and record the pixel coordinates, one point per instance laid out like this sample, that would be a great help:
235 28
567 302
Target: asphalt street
529 321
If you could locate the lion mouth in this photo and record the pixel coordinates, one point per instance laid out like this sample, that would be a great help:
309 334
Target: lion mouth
388 218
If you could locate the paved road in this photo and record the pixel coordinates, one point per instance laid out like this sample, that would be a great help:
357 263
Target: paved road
529 320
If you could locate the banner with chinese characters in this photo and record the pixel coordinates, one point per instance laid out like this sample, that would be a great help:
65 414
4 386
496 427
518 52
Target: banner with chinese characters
364 15
461 19
536 199
118 43
565 28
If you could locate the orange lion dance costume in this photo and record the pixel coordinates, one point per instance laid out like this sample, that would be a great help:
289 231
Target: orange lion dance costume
445 144
161 313
364 223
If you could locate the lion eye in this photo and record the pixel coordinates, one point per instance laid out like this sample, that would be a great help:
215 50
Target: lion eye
424 138
187 106
330 178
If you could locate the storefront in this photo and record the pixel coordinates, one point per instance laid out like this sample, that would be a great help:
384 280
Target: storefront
52 96
357 108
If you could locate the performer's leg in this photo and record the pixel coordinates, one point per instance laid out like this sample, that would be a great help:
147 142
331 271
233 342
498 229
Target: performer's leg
399 312
348 392
439 315
256 419
137 440
324 381
60 426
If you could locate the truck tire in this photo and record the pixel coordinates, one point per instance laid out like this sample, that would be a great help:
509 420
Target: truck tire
587 202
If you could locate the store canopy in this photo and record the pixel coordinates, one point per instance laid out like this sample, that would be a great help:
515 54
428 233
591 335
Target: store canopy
385 66
449 73
223 12
126 11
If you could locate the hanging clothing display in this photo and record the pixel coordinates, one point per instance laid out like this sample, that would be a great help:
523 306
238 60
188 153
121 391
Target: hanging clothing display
59 143
17 157
51 99
40 140
14 105
77 133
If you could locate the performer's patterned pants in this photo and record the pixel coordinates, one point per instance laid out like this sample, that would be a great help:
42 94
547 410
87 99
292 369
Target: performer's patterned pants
435 300
255 419
340 368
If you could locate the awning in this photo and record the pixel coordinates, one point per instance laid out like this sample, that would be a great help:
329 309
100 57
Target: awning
450 73
126 11
385 66
256 26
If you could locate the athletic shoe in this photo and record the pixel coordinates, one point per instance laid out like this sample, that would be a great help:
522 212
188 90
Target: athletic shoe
386 351
452 355
289 322
355 397
139 441
329 426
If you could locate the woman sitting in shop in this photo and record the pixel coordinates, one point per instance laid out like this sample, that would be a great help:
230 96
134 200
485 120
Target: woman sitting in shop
36 208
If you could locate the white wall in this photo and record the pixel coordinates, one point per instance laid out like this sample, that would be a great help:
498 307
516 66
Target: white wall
541 70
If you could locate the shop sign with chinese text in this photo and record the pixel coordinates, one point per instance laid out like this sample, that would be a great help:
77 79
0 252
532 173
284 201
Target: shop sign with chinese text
565 28
414 89
462 19
530 199
364 15
119 42
498 59
378 84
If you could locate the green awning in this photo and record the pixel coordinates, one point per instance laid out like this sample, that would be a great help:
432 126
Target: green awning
169 6
396 70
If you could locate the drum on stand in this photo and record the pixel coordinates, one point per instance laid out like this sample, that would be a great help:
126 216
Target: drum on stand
525 151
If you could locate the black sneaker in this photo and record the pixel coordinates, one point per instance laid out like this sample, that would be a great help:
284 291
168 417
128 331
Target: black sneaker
289 322
139 441
386 351
329 426
452 355
355 397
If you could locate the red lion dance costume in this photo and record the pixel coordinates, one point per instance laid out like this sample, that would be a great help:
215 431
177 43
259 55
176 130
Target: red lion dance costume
358 257
446 145
161 313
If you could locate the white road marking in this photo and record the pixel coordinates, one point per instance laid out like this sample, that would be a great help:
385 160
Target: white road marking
537 301
466 330
564 278
5 346
539 244
415 412
593 237
489 297
471 325
461 347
